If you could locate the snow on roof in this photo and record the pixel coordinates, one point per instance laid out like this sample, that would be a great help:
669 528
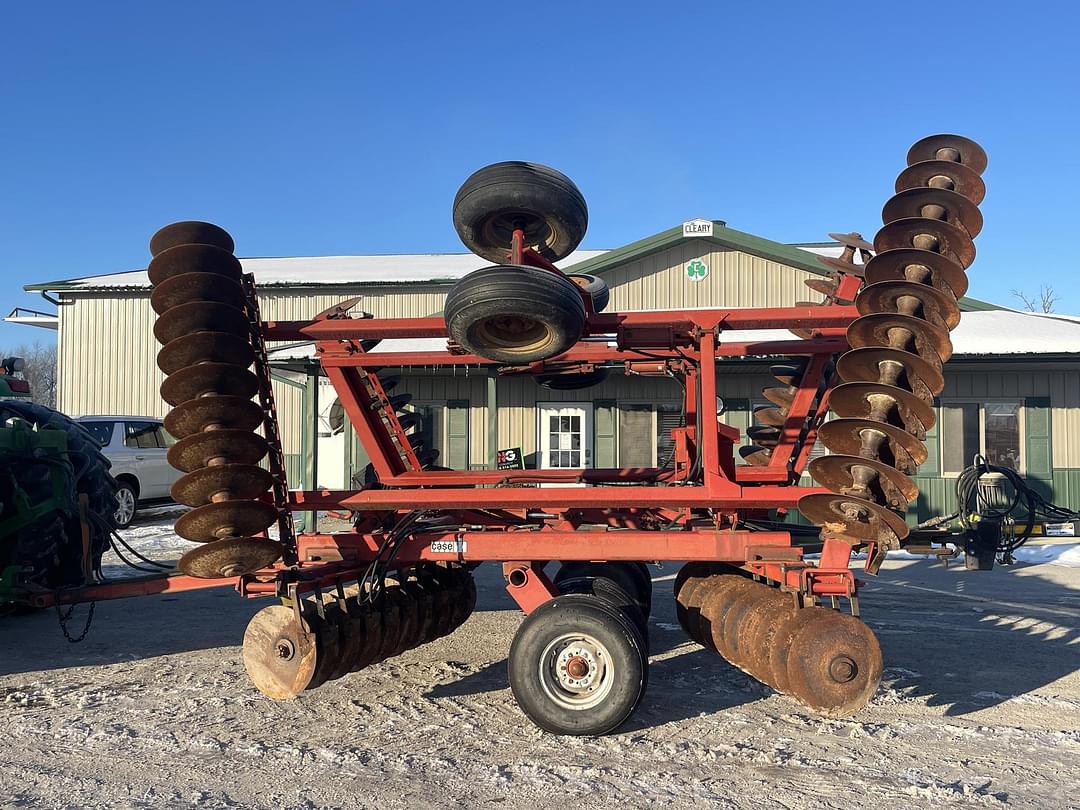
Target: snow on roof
291 271
986 333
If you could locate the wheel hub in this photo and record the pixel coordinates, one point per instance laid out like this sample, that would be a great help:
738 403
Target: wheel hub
577 668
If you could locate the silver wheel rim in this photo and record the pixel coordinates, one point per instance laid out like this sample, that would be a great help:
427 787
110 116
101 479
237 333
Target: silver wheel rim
125 509
576 671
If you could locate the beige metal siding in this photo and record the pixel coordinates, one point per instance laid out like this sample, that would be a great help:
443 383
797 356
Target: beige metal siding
735 279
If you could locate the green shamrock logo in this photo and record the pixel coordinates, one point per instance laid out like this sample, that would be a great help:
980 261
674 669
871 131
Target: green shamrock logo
697 270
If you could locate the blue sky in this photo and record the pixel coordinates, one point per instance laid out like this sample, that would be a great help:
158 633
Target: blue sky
336 128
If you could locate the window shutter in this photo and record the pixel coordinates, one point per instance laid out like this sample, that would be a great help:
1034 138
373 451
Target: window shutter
605 427
932 465
1037 419
457 434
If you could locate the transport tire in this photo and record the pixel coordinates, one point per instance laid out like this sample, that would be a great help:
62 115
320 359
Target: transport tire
515 315
609 590
595 286
578 666
572 382
627 575
540 201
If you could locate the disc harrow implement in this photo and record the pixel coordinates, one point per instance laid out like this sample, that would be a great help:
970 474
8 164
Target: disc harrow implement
908 305
206 352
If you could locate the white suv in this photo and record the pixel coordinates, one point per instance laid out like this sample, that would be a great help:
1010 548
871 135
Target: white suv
136 446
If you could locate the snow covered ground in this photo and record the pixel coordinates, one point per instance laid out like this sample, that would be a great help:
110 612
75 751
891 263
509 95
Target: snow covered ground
980 707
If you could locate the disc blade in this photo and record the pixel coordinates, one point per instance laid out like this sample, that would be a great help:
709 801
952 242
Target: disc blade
200 316
838 473
216 521
208 379
769 415
190 232
951 241
958 209
852 240
848 268
230 558
233 481
188 287
937 307
183 259
755 455
824 286
763 433
874 330
905 410
279 656
963 179
845 436
970 153
864 365
782 397
204 347
229 446
788 373
219 412
945 274
855 517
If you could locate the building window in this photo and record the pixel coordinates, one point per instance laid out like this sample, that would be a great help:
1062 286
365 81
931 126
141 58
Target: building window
991 429
645 438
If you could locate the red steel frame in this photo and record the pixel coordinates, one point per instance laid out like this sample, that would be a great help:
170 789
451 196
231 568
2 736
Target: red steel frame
602 520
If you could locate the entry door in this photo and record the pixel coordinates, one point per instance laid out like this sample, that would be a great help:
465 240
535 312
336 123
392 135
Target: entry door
565 435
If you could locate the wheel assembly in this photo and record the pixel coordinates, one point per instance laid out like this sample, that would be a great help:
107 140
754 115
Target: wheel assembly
578 666
205 332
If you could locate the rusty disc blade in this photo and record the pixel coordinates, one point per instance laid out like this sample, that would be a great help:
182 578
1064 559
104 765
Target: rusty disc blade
856 400
873 330
756 455
970 153
788 373
189 287
233 557
763 434
835 664
208 379
718 598
841 266
190 232
200 316
769 415
780 644
183 259
227 446
958 209
863 365
400 401
781 396
964 180
690 572
837 473
204 347
236 481
410 420
744 602
216 521
868 521
950 240
945 274
758 629
279 656
845 436
825 286
213 413
935 306
852 240
693 593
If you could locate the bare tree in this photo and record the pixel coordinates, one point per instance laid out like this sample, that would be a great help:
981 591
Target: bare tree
1045 302
40 370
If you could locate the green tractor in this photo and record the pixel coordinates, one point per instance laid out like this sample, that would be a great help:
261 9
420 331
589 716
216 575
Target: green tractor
57 497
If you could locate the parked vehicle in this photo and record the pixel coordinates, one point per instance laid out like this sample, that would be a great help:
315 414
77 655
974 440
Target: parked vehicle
136 446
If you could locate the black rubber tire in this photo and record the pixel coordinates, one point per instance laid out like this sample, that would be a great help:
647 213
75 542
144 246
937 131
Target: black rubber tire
53 545
515 315
610 590
541 201
595 286
117 518
627 575
572 382
612 628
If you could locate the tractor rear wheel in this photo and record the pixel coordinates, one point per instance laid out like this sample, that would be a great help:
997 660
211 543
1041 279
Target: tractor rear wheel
515 315
578 666
538 200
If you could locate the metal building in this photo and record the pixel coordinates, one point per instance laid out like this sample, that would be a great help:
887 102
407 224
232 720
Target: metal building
1012 389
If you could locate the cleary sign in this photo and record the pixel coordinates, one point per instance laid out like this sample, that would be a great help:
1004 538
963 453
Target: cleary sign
697 227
